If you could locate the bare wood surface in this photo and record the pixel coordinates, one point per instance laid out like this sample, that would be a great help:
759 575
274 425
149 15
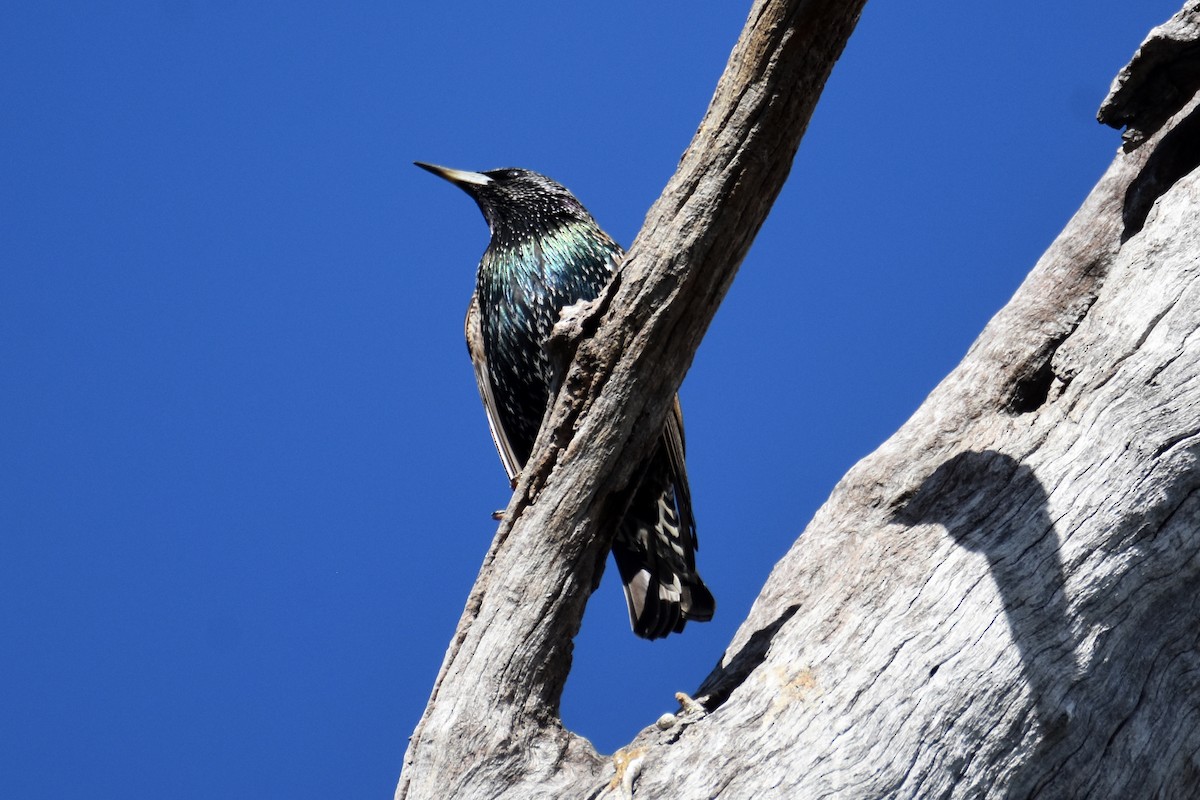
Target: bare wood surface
1003 601
1163 75
491 727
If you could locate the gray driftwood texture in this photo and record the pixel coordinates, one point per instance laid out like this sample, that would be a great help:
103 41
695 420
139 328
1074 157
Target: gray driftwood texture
1003 601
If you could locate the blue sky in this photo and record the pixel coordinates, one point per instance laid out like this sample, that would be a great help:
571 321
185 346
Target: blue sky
245 477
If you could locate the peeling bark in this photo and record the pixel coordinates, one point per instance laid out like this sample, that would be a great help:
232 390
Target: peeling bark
1002 601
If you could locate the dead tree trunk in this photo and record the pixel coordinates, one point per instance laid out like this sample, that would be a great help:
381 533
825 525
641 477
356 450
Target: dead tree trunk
1002 601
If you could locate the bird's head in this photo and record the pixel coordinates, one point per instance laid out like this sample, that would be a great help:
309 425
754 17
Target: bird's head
514 199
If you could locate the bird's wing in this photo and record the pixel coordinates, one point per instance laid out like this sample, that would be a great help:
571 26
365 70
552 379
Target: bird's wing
672 442
655 544
483 379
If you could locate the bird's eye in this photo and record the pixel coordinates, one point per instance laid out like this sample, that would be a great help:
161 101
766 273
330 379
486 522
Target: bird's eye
506 174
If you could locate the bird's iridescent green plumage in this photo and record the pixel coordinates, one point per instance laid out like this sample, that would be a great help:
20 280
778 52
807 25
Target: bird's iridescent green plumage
523 282
547 252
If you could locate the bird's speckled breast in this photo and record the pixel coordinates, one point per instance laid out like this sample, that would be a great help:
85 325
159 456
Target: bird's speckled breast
523 283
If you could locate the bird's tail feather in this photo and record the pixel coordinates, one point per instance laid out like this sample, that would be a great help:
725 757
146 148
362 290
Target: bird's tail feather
655 555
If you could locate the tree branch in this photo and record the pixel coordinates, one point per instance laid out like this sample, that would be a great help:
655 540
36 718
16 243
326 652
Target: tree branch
1163 75
1003 601
492 725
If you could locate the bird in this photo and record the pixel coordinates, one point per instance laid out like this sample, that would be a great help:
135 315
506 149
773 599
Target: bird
547 252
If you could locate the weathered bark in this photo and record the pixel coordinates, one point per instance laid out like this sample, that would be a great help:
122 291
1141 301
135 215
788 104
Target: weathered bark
491 726
1001 601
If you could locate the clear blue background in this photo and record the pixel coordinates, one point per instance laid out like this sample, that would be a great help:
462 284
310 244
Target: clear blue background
245 479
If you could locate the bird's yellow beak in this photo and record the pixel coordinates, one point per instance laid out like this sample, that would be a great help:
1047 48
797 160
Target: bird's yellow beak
459 177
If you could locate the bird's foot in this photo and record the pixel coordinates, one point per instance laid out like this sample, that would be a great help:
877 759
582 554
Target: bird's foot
689 705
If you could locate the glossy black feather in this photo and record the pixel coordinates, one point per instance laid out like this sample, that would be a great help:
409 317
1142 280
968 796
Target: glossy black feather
547 252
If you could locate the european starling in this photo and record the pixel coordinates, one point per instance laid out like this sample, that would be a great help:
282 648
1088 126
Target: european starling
546 252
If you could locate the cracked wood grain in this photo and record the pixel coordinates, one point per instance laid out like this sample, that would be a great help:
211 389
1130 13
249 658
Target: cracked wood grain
1003 601
491 727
